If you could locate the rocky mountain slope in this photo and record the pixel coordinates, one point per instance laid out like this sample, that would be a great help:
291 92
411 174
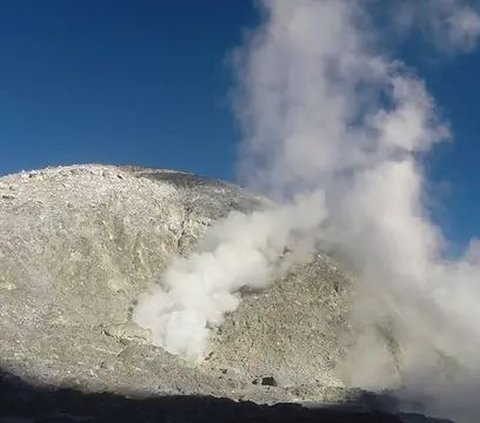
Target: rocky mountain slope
78 245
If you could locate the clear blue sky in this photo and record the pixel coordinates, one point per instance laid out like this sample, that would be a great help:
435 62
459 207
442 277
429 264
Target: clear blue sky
145 82
118 81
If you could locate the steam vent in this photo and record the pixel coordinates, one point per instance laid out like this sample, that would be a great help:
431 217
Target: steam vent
79 244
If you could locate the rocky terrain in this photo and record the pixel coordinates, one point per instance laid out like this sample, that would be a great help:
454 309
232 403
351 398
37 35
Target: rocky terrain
79 244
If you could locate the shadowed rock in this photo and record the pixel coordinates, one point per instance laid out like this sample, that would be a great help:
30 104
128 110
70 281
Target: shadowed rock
21 402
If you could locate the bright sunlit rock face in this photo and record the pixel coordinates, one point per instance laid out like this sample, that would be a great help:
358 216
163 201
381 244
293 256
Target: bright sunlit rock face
91 239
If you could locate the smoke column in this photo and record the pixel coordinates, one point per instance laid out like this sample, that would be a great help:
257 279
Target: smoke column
237 252
336 130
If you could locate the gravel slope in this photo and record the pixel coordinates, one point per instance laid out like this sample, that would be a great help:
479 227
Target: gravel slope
78 244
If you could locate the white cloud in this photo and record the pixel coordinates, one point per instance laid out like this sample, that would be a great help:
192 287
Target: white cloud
453 26
464 28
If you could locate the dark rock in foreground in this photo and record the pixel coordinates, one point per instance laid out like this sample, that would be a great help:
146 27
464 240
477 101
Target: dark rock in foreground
20 402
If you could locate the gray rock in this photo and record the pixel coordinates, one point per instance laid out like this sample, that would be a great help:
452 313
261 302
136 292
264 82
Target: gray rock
128 332
78 245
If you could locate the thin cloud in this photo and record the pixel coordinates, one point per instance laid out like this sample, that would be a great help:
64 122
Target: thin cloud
452 26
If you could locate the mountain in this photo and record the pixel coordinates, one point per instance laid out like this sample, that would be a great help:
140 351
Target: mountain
79 244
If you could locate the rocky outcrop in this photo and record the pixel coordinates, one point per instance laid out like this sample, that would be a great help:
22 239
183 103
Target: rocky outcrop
78 245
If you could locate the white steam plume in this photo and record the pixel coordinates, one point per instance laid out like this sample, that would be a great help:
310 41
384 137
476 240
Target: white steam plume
324 109
336 131
237 252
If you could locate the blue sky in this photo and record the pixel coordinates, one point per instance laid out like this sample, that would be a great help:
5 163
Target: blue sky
146 82
119 81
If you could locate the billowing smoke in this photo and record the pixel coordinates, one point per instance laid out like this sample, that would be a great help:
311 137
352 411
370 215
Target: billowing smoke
336 131
241 251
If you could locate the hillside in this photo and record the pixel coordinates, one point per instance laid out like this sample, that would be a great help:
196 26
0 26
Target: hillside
79 244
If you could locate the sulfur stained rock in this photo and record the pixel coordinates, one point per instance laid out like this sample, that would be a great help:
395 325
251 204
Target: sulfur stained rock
79 244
